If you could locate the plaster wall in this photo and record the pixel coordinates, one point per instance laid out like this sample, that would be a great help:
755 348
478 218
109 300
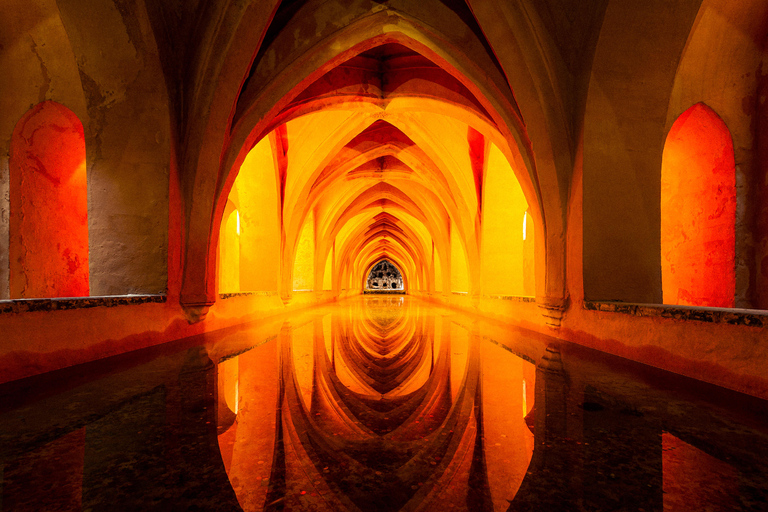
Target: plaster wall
5 232
127 143
459 270
632 76
259 218
502 247
698 211
229 274
51 52
49 228
759 196
38 64
303 266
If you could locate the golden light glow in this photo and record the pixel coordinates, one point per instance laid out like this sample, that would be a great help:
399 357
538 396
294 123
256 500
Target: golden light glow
330 192
525 225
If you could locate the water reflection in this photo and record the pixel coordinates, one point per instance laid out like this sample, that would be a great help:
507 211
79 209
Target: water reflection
381 406
377 404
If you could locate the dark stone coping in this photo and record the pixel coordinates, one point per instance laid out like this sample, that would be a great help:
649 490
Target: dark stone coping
246 294
513 298
62 303
733 316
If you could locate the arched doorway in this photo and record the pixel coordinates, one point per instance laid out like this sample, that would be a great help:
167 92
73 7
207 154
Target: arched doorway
384 277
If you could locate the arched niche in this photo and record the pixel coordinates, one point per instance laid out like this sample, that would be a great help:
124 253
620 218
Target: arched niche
698 211
384 276
49 206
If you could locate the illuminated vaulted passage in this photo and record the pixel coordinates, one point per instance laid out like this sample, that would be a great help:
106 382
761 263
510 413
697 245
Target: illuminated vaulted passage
385 156
385 255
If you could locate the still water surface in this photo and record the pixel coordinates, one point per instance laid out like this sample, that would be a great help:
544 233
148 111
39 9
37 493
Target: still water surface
380 403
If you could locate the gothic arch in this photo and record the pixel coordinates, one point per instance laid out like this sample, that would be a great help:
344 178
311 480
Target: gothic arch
257 111
49 205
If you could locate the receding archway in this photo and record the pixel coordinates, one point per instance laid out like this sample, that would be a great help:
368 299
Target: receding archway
260 110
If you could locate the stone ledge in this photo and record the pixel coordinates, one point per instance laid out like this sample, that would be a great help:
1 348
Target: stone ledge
733 316
513 298
246 294
64 303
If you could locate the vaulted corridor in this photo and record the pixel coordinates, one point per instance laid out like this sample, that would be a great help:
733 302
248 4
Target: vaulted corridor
370 241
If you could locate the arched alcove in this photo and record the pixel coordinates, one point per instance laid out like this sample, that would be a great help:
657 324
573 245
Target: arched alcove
49 211
698 211
384 276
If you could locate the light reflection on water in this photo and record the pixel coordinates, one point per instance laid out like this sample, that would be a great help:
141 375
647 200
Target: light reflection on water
382 406
377 404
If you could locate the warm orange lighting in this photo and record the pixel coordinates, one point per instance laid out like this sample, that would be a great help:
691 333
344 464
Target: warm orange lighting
698 211
49 215
525 399
525 226
507 260
229 251
304 262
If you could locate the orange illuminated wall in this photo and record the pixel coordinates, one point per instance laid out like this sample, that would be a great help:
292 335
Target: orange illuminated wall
698 211
304 263
49 211
328 273
229 250
258 206
438 271
507 247
459 265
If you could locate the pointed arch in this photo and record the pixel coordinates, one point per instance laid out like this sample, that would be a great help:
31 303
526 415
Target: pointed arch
698 211
262 100
384 275
49 206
